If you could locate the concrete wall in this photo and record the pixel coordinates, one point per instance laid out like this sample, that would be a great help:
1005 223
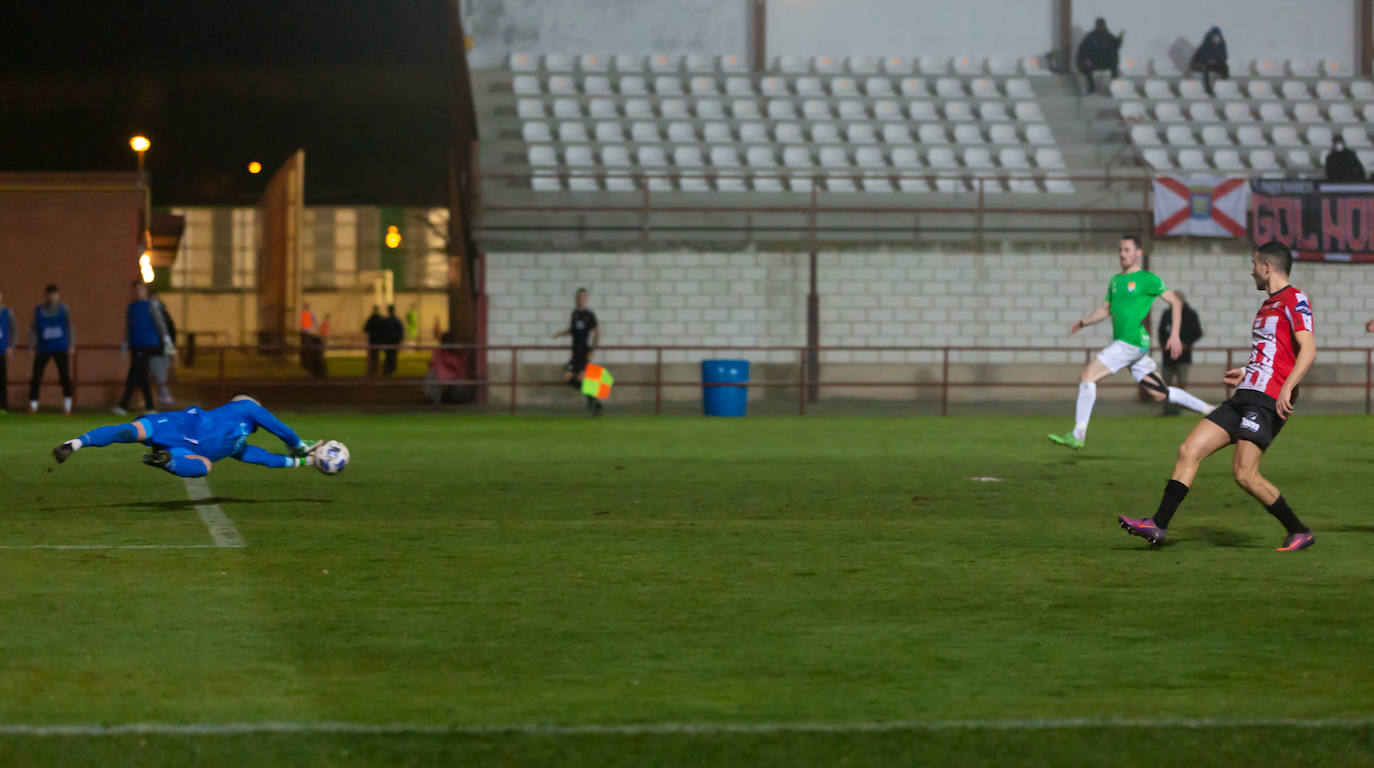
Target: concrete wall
976 28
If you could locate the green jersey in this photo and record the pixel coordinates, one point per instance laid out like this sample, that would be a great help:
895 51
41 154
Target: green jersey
1130 296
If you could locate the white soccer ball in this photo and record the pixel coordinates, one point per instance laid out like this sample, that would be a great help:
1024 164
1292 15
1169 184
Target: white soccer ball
331 457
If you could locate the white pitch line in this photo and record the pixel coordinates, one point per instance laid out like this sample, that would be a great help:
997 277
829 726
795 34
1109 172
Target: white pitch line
636 729
109 546
222 530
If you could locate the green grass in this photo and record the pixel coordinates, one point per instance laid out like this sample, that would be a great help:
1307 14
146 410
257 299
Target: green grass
494 570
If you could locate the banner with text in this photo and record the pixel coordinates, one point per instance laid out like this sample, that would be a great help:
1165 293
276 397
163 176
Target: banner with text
1200 205
1320 221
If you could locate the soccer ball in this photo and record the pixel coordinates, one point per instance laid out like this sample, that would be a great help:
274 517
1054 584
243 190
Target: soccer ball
331 457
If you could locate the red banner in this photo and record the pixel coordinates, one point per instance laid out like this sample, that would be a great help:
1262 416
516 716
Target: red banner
1320 221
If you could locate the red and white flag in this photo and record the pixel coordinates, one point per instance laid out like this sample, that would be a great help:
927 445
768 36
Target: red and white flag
1201 205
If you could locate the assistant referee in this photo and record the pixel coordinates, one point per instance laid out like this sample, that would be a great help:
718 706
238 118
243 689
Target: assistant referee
586 336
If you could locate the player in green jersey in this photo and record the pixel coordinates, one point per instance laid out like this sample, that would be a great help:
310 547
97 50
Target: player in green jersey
1129 296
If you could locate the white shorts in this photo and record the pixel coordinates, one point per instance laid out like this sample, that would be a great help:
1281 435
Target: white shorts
1119 354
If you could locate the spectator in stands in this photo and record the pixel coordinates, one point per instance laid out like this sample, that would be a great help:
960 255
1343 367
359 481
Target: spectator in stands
395 336
6 348
1342 164
51 337
144 336
1099 50
1210 59
375 328
1176 368
160 364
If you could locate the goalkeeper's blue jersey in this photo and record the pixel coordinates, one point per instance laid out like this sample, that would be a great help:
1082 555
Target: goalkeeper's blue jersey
216 434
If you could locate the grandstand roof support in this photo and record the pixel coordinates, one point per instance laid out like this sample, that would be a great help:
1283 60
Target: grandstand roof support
1364 26
758 35
466 297
1063 34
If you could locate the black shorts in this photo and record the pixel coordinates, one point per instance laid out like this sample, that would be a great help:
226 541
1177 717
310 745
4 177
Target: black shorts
577 364
1251 416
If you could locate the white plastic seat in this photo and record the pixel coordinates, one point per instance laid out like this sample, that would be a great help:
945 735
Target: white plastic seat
580 164
1019 88
664 63
863 65
1286 136
727 159
633 85
698 62
809 86
710 109
984 88
967 133
1203 112
562 85
616 159
745 109
827 65
869 157
682 132
1158 89
591 62
1307 112
608 132
522 62
1122 89
887 109
1319 136
896 133
1265 68
667 85
878 87
941 158
654 162
907 164
897 65
760 157
1251 136
943 161
781 109
1227 160
673 109
791 65
1330 90
1366 158
933 65
1355 136
914 87
645 133
967 65
1302 68
1049 158
1362 90
1192 160
1191 89
525 85
1001 66
958 110
876 181
789 133
1034 66
922 110
1226 90
768 180
1180 135
1039 133
844 86
906 157
1134 67
1260 89
1295 90
838 179
689 160
825 133
992 111
949 88
1337 68
628 62
542 158
717 133
931 133
1215 136
1029 111
640 109
1013 158
1273 112
817 109
572 130
739 86
557 62
1168 112
729 62
797 157
704 86
751 132
1238 112
1003 133
532 131
1297 159
1157 158
860 133
1263 160
1133 111
602 109
1342 112
530 109
1144 136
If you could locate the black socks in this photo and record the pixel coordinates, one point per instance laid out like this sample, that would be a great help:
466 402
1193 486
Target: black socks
1280 510
1174 492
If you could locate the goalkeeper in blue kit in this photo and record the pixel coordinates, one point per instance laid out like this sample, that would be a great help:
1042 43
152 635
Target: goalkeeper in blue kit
187 442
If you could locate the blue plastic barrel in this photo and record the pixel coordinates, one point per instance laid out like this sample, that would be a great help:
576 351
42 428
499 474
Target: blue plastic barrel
724 401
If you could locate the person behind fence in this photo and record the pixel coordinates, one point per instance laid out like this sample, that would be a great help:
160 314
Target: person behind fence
1099 50
144 337
586 337
6 349
160 364
395 335
1210 59
51 337
312 356
1175 370
375 328
1342 164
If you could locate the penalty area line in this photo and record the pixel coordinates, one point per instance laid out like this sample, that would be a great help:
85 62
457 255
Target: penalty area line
108 546
668 729
222 530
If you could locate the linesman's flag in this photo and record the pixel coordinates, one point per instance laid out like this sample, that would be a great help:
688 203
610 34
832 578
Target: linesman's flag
596 382
1201 205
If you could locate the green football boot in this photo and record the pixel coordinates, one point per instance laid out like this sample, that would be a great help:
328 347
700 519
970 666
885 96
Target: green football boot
1068 441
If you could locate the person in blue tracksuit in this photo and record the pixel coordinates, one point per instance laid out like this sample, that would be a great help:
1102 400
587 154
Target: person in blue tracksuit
51 337
6 348
187 442
145 335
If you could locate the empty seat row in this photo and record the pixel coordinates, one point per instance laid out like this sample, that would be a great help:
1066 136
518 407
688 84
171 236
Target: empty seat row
782 109
1237 112
644 132
706 63
690 155
875 86
1281 135
1139 67
1291 90
1297 160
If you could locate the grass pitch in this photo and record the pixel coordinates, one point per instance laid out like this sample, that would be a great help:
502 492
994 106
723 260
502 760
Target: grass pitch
494 571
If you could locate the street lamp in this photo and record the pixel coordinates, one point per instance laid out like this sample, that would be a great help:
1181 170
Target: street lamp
140 145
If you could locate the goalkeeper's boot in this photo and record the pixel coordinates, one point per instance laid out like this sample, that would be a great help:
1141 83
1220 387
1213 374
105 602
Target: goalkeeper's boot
159 459
1296 541
1144 528
63 451
1068 441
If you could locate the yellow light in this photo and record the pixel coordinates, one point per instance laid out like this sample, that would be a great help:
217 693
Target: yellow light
255 167
140 143
145 265
393 237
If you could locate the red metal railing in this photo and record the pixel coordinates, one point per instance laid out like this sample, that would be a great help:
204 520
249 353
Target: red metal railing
807 387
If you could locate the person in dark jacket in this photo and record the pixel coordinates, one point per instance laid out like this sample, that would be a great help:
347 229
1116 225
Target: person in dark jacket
395 335
1176 368
144 336
1342 164
1210 59
375 328
1099 50
52 336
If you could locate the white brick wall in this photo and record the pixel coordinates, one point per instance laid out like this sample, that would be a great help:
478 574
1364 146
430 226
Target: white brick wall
1017 296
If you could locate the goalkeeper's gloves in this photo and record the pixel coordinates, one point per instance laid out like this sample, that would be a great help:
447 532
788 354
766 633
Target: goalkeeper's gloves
305 448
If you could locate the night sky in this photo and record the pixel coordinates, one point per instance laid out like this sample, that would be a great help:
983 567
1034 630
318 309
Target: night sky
362 87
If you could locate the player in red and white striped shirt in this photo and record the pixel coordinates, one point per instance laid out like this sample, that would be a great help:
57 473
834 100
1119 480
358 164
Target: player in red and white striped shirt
1282 349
